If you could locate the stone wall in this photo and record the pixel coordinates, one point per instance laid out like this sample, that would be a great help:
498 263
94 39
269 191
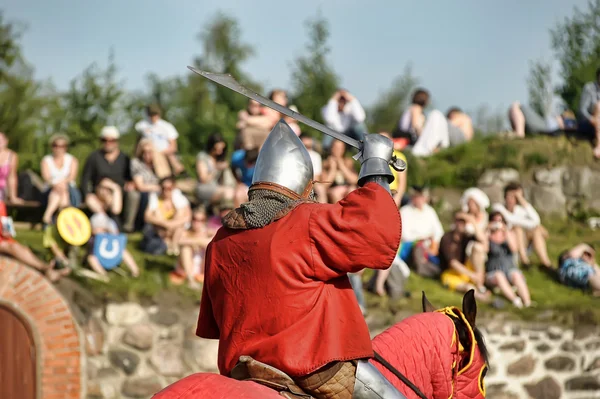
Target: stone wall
560 191
134 351
540 361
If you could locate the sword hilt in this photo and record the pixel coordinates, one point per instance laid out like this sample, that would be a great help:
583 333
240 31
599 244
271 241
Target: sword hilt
398 164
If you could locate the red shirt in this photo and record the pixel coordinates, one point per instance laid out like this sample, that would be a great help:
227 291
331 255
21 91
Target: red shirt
280 293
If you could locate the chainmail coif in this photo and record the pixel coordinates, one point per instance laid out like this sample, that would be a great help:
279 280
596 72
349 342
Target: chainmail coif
264 205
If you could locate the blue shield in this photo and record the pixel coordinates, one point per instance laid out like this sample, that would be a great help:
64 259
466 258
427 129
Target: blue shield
108 248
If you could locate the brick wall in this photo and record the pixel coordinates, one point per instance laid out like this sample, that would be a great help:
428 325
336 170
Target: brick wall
59 347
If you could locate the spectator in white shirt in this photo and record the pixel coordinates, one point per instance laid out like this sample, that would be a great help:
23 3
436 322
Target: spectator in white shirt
344 114
164 138
523 219
317 161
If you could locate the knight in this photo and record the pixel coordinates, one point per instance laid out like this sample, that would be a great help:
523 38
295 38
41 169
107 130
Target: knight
276 292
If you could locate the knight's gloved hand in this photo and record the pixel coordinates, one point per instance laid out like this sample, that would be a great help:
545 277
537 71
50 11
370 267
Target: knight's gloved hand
375 158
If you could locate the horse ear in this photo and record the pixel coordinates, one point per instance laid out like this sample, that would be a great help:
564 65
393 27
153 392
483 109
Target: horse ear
427 306
469 307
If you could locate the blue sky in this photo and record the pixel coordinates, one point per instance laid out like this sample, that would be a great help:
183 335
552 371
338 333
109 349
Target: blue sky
466 52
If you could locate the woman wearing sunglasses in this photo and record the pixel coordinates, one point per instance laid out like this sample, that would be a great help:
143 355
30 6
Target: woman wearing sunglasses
59 171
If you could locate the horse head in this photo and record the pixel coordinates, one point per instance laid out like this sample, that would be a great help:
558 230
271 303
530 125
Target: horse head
472 365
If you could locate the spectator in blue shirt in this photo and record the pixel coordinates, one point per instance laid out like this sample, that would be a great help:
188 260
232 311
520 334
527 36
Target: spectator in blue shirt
242 165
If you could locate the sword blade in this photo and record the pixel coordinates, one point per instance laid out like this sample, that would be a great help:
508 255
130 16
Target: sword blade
229 81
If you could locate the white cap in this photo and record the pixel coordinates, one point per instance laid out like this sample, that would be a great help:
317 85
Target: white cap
109 132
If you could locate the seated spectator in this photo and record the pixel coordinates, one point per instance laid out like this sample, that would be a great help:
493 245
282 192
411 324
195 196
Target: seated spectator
462 272
167 216
343 113
339 173
22 253
9 164
317 161
440 132
589 112
460 126
59 172
104 224
145 181
421 233
192 244
525 222
242 166
523 120
475 202
107 163
210 166
215 222
578 268
413 118
253 126
501 269
398 186
280 97
164 139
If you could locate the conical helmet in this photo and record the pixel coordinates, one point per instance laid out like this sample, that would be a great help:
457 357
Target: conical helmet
284 161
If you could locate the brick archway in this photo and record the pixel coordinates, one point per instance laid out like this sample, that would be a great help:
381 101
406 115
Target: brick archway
56 336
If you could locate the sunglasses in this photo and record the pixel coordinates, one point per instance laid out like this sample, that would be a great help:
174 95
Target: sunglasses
199 220
59 146
105 140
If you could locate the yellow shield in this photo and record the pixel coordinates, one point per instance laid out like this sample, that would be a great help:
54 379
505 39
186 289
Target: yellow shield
73 226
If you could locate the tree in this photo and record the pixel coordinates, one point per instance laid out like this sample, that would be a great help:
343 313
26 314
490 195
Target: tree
539 85
94 100
576 43
313 79
20 102
385 114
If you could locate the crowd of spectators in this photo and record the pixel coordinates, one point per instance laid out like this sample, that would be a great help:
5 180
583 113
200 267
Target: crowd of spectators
141 194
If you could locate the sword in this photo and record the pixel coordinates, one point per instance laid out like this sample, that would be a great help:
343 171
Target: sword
229 81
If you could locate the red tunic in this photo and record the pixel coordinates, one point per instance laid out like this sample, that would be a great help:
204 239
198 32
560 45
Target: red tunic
280 293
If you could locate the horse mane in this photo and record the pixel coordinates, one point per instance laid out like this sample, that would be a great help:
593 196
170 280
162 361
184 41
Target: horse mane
463 336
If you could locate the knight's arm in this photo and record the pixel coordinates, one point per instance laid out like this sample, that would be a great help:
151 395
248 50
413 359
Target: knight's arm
375 159
360 231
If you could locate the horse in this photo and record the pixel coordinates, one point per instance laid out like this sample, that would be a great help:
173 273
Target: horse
437 354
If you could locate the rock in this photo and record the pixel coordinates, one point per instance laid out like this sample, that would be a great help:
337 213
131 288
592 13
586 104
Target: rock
494 389
502 176
576 181
141 387
549 177
582 331
543 348
139 336
592 345
125 360
594 365
518 346
166 358
495 192
201 354
583 383
94 391
521 367
555 333
515 331
94 336
545 315
549 200
503 395
560 363
91 370
124 314
570 346
548 388
107 385
534 337
164 317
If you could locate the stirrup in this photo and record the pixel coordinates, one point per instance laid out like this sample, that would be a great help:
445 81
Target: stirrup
371 384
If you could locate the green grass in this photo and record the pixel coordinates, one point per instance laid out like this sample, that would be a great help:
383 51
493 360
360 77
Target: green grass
549 294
